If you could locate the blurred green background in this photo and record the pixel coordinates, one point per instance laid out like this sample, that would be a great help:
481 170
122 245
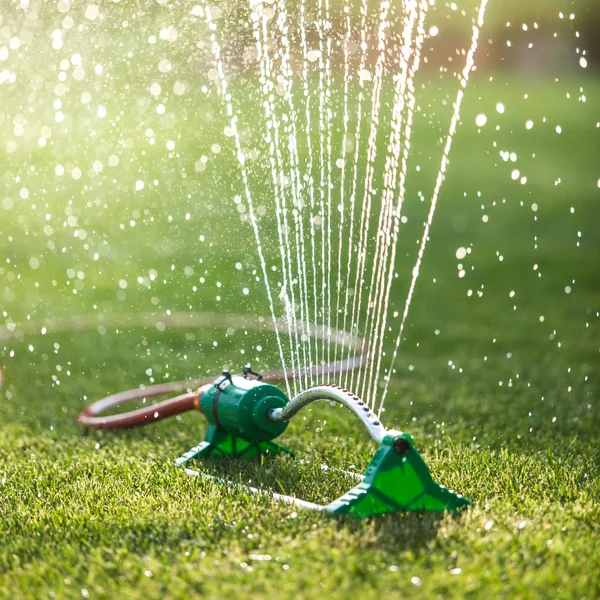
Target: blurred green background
120 195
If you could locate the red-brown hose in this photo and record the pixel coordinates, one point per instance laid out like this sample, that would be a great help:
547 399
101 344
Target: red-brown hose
89 418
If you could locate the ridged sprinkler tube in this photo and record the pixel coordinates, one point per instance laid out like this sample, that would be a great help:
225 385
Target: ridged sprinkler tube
331 392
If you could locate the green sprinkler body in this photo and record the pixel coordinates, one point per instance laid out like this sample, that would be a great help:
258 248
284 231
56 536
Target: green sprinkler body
240 407
245 416
237 410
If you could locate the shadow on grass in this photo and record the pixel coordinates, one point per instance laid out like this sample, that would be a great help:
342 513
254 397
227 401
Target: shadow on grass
308 481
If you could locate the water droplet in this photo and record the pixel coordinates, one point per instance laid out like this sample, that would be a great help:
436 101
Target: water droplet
91 12
364 75
461 253
480 120
164 66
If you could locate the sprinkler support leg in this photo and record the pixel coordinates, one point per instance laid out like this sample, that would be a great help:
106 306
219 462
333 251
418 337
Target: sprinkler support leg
219 443
397 479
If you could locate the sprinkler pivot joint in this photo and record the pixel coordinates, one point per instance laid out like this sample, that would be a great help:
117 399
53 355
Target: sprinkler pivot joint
401 445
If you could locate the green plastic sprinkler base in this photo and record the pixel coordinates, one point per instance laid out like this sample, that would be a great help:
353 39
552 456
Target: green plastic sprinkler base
218 443
396 480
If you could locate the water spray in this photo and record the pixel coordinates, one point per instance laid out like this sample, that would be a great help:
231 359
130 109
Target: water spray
246 413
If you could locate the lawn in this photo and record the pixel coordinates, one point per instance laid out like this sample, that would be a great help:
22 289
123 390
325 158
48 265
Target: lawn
496 377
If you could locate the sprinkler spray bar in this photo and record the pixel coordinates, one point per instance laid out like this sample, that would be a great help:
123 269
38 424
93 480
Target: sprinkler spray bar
337 394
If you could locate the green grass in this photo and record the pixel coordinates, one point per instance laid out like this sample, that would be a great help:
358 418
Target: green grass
503 406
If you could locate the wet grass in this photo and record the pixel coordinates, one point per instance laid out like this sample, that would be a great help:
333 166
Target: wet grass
502 404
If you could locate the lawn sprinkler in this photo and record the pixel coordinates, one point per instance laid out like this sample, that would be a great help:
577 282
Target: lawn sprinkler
246 413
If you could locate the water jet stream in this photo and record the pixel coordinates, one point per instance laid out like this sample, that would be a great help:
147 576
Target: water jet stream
290 184
368 191
272 140
338 288
357 138
376 344
384 224
216 50
296 185
464 79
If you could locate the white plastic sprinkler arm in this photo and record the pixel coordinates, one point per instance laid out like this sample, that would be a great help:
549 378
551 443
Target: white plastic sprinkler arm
332 392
